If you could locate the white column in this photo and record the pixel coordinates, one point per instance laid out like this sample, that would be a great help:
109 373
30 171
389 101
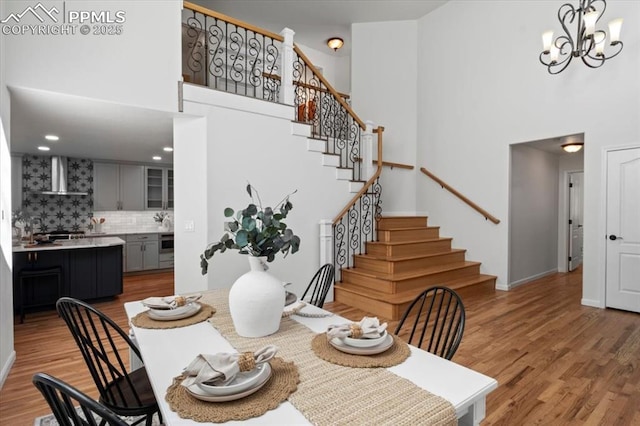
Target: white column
326 249
286 77
368 151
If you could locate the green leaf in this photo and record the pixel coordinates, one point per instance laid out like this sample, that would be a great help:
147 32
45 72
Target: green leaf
249 190
248 223
228 212
251 210
242 238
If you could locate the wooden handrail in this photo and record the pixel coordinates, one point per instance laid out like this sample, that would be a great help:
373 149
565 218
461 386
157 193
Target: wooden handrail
369 183
305 85
329 87
449 188
392 165
234 21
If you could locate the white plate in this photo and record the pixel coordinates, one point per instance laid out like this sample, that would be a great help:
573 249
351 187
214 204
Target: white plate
365 343
165 302
373 350
185 311
242 382
198 393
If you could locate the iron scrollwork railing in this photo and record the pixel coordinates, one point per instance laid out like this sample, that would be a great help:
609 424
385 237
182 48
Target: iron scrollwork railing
357 222
330 117
224 53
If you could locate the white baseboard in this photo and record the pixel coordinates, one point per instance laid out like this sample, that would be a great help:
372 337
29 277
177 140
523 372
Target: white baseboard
502 287
591 302
531 278
7 367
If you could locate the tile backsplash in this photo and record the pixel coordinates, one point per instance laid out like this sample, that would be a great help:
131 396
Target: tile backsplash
122 221
57 212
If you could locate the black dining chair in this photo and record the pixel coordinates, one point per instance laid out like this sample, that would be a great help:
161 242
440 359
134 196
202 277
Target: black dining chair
71 407
438 318
100 341
319 285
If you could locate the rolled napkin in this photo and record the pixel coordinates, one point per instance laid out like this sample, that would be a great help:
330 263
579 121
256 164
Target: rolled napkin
170 302
221 368
366 328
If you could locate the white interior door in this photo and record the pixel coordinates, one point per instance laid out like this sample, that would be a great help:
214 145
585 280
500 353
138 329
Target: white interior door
576 191
623 230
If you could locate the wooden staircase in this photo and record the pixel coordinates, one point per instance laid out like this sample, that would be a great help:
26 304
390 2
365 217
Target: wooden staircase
409 257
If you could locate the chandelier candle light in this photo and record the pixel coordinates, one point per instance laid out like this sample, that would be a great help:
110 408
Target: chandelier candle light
588 43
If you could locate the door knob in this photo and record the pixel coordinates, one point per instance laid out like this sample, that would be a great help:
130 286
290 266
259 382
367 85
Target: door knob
613 237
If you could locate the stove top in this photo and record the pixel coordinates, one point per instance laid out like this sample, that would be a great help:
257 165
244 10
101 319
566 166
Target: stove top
58 235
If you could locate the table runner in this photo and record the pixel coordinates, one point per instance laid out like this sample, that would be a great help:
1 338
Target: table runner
330 394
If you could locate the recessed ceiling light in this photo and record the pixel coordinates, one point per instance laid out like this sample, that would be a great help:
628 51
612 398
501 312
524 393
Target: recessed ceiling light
52 137
157 157
44 148
168 149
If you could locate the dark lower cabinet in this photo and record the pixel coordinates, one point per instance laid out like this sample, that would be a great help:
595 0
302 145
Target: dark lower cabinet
88 273
36 291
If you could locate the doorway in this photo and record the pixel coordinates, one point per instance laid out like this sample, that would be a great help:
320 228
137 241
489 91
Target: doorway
576 219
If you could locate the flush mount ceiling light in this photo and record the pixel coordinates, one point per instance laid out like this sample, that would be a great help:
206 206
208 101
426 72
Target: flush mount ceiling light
52 137
168 149
572 146
157 157
335 43
588 43
44 148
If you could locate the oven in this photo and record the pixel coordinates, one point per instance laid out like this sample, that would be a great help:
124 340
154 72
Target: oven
166 243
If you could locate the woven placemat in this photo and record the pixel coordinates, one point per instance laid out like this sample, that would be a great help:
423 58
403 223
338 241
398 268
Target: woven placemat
396 354
283 381
333 395
143 320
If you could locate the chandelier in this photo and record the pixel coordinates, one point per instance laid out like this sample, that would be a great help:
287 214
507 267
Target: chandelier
588 43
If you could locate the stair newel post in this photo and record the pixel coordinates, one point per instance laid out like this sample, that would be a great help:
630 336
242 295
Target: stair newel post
367 152
326 247
287 88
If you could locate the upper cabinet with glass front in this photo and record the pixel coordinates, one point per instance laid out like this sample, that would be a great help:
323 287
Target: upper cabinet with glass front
159 188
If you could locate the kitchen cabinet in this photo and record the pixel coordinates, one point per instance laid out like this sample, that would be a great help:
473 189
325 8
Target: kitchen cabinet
159 188
165 260
118 186
87 273
142 252
43 291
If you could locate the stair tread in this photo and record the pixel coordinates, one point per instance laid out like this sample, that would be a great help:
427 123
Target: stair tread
409 295
404 217
401 243
411 228
418 256
417 273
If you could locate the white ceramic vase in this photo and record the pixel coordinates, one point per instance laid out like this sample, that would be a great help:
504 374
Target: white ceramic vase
256 301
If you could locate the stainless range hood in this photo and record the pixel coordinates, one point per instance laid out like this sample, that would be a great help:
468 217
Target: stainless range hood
59 178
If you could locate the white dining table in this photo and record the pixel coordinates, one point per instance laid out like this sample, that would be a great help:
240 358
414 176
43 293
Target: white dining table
166 352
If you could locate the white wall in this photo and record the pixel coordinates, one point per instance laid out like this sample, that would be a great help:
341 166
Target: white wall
533 220
275 162
139 67
7 352
383 84
481 88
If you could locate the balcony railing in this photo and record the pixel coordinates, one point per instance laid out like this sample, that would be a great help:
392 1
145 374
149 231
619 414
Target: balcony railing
227 54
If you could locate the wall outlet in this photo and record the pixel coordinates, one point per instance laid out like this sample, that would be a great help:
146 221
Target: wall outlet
189 226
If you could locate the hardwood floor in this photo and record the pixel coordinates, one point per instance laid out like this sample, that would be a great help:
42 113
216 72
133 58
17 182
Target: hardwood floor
557 362
43 344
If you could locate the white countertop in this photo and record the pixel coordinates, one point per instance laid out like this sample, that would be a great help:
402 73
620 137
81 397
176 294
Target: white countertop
128 232
88 242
